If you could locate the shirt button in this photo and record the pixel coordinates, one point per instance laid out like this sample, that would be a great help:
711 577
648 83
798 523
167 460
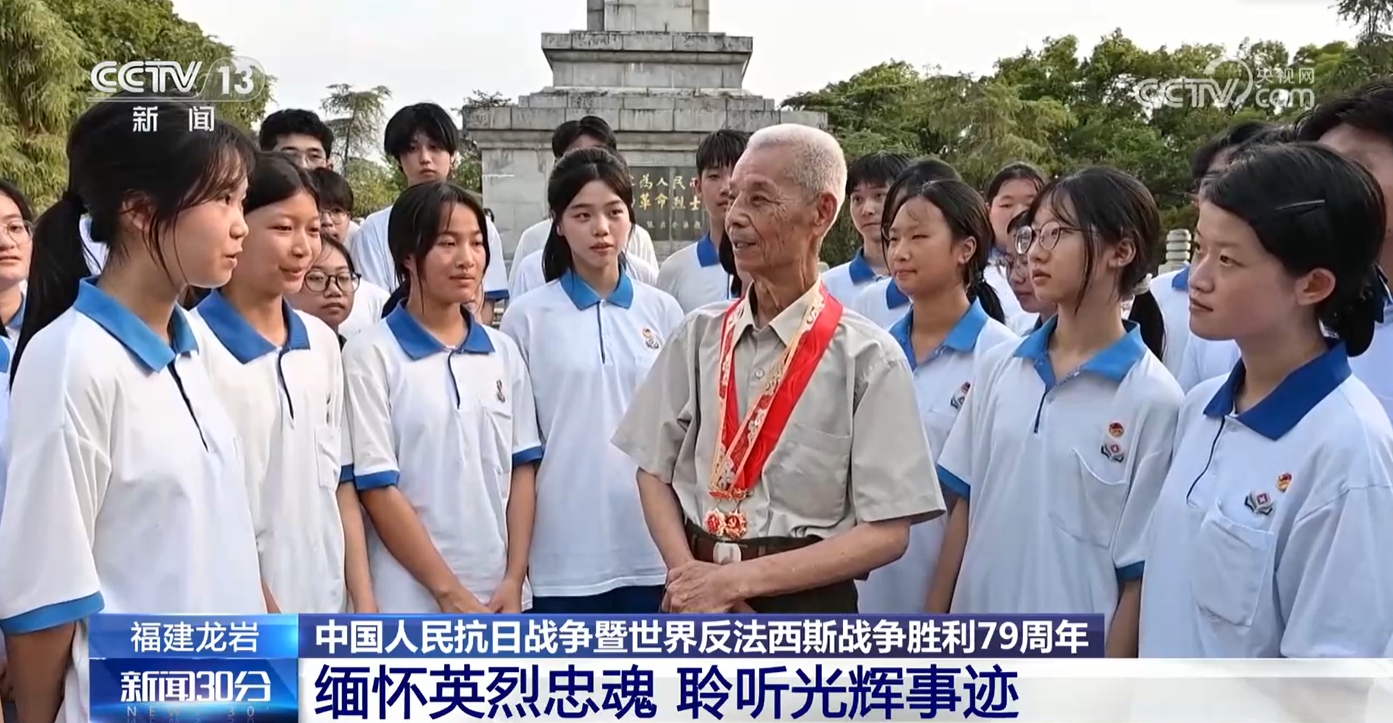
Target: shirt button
759 374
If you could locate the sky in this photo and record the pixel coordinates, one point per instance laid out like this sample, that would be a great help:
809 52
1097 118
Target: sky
441 50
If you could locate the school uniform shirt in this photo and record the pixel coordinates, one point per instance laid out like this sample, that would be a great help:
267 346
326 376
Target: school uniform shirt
1205 359
693 275
530 274
1023 323
15 323
1172 294
368 302
286 403
1270 538
6 352
586 356
846 281
1375 366
1061 475
882 302
373 258
447 427
941 383
124 490
93 252
534 239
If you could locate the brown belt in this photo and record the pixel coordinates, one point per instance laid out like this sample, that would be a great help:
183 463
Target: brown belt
837 598
703 544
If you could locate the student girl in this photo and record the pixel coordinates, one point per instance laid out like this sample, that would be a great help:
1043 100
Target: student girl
1010 192
441 419
278 374
16 245
1033 311
1270 537
938 246
589 336
881 301
124 488
330 287
1060 450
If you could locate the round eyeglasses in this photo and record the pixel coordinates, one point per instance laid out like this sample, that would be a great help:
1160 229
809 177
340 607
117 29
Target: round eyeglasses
1047 238
319 283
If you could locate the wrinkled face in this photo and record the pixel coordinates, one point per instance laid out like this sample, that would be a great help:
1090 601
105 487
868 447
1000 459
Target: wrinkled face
595 225
424 161
867 206
307 150
1013 199
329 287
282 242
772 223
924 257
1237 289
451 271
16 243
202 247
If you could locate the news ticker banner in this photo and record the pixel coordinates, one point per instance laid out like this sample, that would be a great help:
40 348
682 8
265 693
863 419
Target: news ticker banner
440 667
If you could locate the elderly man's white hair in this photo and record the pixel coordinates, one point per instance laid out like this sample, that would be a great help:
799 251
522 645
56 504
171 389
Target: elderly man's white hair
818 164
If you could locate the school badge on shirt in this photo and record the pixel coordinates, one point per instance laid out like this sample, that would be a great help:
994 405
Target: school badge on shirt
502 398
1259 503
650 339
1283 481
960 396
1112 444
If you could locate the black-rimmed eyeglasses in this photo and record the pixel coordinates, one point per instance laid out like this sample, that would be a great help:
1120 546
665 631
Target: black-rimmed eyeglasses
319 283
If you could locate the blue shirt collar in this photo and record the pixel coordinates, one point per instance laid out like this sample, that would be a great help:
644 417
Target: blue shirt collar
859 269
240 339
585 297
1181 281
17 320
894 298
419 344
1291 401
707 253
961 338
149 349
1112 362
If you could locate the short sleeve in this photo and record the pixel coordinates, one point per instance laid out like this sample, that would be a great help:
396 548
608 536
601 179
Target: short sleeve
892 474
643 270
671 315
661 412
863 302
1334 579
369 416
1155 430
641 245
54 482
496 275
960 463
668 274
529 276
527 442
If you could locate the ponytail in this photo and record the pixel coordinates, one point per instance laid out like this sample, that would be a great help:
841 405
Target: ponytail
1147 314
57 267
1354 323
556 256
983 293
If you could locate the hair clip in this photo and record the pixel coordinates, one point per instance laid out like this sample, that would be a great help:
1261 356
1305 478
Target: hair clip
1300 206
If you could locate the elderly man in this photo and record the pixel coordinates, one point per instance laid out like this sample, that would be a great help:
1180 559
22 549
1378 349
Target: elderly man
779 448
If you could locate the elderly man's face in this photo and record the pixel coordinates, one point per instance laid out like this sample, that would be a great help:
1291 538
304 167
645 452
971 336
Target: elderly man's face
771 220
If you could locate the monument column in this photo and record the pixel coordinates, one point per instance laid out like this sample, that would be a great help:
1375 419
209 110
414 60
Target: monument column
655 72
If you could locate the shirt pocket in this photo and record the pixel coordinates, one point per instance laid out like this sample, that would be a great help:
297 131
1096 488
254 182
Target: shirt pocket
807 473
1089 505
1231 564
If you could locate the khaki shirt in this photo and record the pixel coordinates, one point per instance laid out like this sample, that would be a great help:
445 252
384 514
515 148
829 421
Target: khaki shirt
853 450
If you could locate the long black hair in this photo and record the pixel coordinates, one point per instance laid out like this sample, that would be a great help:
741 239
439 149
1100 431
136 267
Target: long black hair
1312 208
165 171
965 212
1108 207
414 228
11 191
572 173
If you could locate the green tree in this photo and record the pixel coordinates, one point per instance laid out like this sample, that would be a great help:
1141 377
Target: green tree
355 117
39 81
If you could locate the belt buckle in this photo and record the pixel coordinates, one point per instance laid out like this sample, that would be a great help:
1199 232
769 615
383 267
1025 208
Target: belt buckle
725 553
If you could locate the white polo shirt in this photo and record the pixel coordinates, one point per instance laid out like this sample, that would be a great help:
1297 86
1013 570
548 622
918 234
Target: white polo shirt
124 489
534 239
1061 475
941 383
373 256
846 281
95 253
1172 294
882 302
1272 532
447 427
586 357
368 302
287 405
530 274
693 275
6 350
997 278
13 324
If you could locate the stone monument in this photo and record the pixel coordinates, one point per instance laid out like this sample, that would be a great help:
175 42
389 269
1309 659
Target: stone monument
656 73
